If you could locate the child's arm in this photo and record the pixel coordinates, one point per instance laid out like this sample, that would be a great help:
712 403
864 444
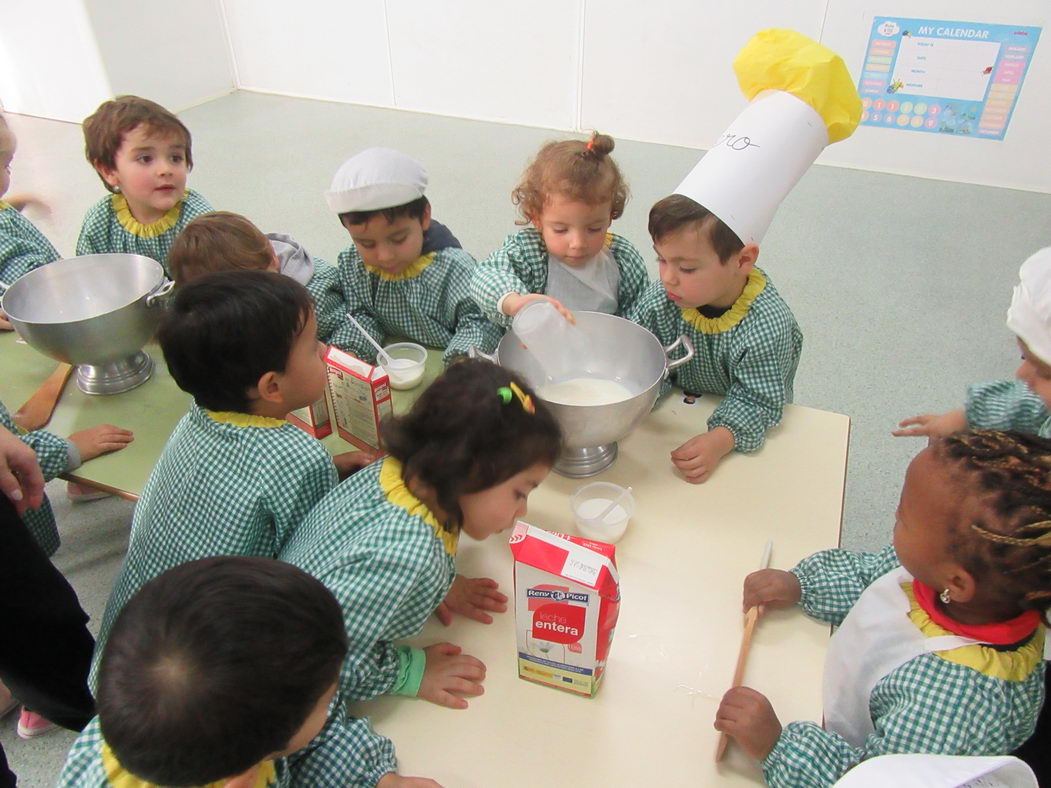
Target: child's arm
928 705
932 425
354 285
832 580
501 273
1005 405
330 307
470 327
306 472
633 276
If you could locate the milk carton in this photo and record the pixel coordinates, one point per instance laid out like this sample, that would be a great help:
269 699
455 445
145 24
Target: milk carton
567 597
360 398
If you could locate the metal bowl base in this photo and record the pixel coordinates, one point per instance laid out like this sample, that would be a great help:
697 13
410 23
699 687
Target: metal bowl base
115 377
579 463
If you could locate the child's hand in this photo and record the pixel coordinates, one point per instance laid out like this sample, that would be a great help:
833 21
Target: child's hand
24 200
471 597
747 717
449 671
5 324
698 457
351 461
392 780
933 425
514 302
771 588
100 440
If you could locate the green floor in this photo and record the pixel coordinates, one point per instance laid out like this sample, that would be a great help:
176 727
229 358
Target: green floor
899 284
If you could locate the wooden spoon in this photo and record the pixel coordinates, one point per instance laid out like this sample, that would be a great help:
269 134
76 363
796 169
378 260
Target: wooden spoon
37 410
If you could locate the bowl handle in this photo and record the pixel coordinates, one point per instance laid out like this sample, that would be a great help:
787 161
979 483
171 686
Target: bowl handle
678 362
473 352
159 292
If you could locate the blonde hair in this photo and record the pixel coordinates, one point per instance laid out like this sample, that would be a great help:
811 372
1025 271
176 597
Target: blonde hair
218 241
582 171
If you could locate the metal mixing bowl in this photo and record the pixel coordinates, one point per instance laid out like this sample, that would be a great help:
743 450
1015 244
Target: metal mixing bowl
619 350
95 311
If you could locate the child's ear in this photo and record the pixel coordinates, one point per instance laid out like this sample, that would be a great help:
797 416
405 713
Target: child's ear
268 388
961 585
108 175
746 257
425 220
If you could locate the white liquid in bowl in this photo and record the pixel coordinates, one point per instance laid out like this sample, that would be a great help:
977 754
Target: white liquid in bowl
585 391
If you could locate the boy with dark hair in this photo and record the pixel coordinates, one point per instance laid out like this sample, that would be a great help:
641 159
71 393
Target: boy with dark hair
405 275
143 155
224 241
222 671
746 338
235 477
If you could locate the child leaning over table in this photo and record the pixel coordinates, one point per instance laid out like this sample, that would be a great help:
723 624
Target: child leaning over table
570 194
222 672
235 477
143 154
223 241
405 275
940 637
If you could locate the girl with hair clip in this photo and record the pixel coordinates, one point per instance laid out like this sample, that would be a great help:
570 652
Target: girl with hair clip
569 195
463 460
940 639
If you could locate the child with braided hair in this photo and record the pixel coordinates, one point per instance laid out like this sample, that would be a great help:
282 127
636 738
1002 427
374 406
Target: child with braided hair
940 639
569 196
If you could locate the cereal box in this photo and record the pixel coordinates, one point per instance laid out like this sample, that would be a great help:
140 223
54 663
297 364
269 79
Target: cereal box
313 419
360 398
567 597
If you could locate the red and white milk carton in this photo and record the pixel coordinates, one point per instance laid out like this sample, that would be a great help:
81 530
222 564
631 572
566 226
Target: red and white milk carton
313 419
567 597
360 398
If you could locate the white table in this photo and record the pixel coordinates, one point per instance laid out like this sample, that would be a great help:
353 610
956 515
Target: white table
682 562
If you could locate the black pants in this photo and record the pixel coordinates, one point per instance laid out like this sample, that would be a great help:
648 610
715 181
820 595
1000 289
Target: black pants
1037 751
45 649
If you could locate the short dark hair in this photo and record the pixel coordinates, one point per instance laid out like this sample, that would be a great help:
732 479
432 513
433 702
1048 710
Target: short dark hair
226 330
678 210
413 210
104 129
214 665
460 437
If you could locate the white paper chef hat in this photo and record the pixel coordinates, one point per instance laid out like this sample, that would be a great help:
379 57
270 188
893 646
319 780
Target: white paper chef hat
802 99
374 179
1029 315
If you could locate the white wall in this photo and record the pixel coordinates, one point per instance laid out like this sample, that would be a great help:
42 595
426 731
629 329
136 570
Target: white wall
61 58
656 71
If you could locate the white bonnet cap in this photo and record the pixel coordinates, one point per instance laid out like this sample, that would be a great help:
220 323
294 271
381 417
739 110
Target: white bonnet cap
374 179
1029 316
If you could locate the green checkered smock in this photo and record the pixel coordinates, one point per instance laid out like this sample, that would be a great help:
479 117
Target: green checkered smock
225 484
22 246
329 304
1007 405
749 355
520 266
109 228
928 705
336 758
389 563
56 456
427 303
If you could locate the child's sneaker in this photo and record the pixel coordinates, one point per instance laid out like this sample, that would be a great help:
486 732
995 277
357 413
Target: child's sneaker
31 724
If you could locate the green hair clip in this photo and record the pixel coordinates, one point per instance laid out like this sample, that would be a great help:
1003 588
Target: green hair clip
505 394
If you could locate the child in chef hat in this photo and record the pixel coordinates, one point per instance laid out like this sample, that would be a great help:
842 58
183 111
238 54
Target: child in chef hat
405 274
707 238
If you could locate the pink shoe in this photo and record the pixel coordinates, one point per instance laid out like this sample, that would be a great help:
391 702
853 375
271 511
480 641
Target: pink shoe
80 493
31 724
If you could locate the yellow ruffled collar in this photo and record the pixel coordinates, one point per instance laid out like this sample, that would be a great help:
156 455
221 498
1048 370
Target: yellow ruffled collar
1016 665
135 227
755 284
397 492
244 419
415 269
4 205
118 777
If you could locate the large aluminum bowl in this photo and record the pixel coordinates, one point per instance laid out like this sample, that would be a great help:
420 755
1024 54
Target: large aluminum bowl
96 311
619 350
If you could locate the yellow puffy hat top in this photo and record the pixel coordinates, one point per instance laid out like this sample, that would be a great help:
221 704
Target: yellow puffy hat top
786 60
